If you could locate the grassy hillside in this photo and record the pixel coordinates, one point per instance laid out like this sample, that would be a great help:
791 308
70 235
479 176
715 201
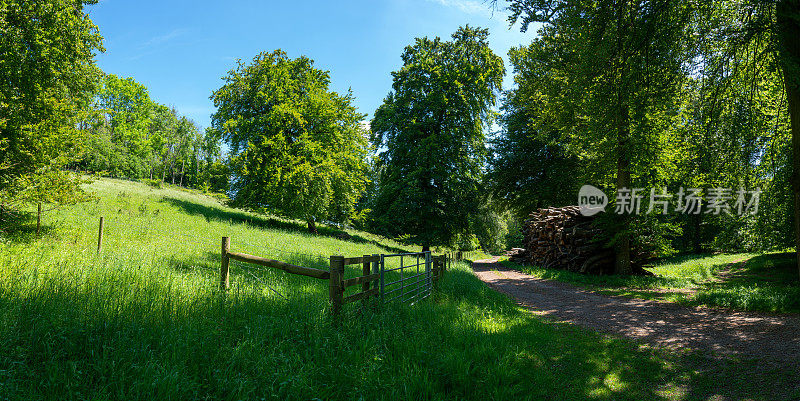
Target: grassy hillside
144 320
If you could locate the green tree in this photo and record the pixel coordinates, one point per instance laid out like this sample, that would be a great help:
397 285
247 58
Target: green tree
163 128
430 135
132 136
610 72
296 147
47 79
763 35
212 173
787 25
531 167
120 134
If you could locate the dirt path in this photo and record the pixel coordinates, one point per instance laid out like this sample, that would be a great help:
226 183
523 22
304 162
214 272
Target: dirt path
771 338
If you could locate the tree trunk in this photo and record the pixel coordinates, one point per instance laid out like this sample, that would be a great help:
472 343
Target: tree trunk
426 248
312 226
622 263
183 172
172 170
789 30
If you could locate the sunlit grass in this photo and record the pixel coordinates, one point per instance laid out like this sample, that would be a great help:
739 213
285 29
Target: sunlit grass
746 281
144 319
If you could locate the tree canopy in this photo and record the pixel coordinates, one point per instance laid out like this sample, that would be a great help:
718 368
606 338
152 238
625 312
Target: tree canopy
130 135
430 136
47 79
657 94
297 148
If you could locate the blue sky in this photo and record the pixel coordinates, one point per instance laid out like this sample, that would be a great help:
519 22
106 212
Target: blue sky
181 49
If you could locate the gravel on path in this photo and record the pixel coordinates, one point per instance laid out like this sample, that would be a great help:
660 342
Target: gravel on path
770 338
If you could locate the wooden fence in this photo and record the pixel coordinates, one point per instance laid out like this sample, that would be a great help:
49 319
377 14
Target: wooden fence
371 278
371 273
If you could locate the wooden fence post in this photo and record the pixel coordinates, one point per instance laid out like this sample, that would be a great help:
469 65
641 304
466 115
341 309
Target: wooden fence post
376 270
100 236
38 219
438 267
335 290
224 273
365 269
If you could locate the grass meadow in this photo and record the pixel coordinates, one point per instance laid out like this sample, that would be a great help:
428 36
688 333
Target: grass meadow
144 319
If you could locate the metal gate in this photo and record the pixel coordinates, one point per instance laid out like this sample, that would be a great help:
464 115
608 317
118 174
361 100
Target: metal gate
405 277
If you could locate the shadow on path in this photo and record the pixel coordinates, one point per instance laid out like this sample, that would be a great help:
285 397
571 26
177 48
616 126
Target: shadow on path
770 338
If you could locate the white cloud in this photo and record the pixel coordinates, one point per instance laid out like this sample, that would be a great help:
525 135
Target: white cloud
160 39
467 6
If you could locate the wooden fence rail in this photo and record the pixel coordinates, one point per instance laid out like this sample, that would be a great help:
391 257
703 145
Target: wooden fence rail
372 271
335 275
276 264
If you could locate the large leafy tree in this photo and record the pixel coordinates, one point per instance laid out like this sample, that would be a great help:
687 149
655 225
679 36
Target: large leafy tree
531 167
120 136
296 147
757 51
762 35
47 79
608 73
430 135
787 25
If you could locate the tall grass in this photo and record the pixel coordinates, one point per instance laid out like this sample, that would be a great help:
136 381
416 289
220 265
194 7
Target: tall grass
144 320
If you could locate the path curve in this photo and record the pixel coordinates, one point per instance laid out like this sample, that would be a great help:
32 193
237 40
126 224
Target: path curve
771 338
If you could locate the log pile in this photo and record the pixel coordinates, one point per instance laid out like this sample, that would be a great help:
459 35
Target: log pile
561 237
518 255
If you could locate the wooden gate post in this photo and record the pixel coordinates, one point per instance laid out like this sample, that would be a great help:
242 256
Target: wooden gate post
429 271
365 269
381 270
375 270
437 268
224 272
335 290
100 236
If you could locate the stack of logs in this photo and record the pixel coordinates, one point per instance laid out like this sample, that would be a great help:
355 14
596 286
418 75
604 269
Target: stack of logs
561 237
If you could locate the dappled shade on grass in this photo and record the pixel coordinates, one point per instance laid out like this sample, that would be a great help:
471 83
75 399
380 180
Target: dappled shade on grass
234 216
144 320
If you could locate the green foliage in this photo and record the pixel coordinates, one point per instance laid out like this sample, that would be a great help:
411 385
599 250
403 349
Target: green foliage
492 226
597 87
154 183
132 136
145 313
119 141
430 137
531 166
47 78
297 148
631 94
